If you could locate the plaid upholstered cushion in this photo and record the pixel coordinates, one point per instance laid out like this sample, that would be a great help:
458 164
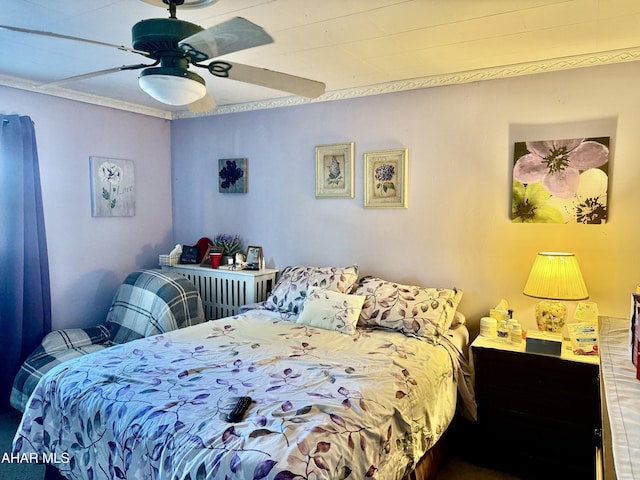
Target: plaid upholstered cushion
150 302
57 347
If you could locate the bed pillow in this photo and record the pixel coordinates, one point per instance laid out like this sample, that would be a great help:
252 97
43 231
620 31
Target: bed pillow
413 310
290 291
331 310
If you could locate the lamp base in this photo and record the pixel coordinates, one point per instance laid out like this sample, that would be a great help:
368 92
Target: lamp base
551 316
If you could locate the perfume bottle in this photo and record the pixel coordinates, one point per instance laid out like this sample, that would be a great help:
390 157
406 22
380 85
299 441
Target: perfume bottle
503 331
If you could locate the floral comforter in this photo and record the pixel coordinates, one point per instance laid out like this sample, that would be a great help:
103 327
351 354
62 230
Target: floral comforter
326 405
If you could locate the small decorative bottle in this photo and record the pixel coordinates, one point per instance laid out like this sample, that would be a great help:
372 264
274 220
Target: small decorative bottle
516 333
503 331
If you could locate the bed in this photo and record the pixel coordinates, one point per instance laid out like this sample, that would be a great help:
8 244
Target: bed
334 396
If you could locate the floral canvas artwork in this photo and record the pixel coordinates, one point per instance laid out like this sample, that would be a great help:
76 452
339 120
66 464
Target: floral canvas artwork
112 187
561 181
232 175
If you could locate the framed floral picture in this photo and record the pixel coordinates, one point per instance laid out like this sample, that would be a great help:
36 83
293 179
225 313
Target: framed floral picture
232 175
386 178
334 171
560 181
112 187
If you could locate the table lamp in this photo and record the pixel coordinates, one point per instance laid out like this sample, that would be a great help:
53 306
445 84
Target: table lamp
554 276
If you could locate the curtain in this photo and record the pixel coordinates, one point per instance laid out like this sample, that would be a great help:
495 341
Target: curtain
25 298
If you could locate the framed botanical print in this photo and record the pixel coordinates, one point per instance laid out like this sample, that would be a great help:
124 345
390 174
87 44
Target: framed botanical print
334 170
385 178
232 175
112 187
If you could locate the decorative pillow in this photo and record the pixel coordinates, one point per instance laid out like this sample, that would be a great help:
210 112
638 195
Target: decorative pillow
424 312
290 291
331 310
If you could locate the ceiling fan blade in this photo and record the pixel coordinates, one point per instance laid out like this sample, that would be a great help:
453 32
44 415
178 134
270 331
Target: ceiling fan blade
269 78
77 39
94 74
230 36
205 104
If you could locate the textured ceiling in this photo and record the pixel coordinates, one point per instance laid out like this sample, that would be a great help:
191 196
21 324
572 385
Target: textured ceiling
356 47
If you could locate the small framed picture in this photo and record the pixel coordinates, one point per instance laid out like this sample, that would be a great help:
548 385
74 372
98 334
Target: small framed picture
189 254
112 187
232 175
254 258
385 178
334 171
206 260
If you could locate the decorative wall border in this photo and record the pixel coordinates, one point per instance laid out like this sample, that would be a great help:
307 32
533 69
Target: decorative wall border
491 73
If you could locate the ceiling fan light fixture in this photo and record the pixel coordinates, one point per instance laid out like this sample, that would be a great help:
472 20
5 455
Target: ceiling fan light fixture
183 4
173 86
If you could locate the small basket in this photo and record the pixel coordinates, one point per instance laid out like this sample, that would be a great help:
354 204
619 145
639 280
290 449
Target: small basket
169 259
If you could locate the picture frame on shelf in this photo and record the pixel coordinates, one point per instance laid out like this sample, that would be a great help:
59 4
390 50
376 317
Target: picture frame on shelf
386 178
253 258
334 170
189 254
206 260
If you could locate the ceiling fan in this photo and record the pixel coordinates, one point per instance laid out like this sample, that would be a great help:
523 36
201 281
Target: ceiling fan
173 45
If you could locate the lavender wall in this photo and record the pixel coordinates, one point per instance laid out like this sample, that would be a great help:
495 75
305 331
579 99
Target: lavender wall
457 229
89 257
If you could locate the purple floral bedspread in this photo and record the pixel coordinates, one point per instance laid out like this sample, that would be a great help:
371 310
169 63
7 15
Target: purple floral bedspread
326 405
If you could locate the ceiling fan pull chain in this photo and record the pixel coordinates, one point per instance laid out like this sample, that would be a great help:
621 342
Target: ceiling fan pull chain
219 68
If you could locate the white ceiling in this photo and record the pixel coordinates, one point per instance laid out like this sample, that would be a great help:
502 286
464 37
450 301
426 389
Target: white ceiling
356 47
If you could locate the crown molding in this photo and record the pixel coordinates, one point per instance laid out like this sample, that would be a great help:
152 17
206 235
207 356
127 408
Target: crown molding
456 78
469 76
34 87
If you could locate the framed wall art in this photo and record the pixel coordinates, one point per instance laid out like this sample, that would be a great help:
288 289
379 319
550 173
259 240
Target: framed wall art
385 178
112 187
232 175
334 171
560 181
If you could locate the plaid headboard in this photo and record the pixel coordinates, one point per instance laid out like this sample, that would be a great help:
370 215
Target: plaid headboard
150 302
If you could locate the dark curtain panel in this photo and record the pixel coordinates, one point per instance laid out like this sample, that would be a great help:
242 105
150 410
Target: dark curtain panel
25 299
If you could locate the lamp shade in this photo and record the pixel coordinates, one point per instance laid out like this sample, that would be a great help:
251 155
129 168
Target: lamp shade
173 86
556 276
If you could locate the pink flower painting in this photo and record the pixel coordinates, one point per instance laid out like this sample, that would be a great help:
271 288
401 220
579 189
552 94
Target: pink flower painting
560 181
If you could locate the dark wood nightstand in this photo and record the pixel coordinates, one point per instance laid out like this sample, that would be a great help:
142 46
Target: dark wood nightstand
538 415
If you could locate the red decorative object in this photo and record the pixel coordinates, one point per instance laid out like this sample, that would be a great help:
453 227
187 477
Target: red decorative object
203 247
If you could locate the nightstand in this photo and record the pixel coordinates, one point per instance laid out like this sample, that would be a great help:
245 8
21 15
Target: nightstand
538 415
